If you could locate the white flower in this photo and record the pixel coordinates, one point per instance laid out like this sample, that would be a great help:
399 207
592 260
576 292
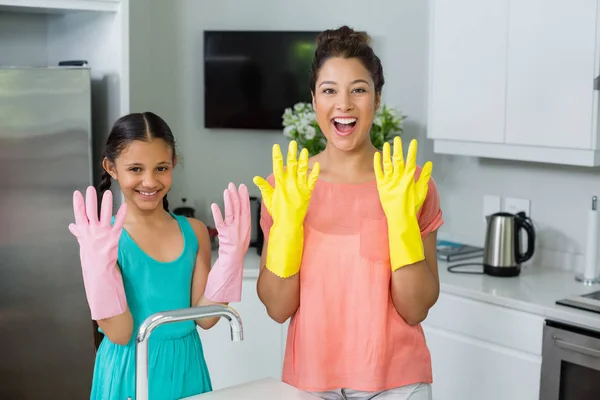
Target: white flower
299 107
305 119
310 132
287 131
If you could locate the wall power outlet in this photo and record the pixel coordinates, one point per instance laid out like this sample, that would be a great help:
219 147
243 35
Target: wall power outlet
515 204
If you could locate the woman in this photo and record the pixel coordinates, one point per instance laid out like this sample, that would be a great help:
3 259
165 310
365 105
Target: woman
350 250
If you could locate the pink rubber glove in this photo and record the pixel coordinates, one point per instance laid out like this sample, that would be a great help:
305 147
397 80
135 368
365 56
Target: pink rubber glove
224 283
98 250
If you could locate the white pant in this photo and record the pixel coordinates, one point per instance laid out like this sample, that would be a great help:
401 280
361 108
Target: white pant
418 391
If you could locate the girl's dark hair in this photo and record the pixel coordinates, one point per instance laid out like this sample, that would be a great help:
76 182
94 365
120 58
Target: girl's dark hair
345 42
137 126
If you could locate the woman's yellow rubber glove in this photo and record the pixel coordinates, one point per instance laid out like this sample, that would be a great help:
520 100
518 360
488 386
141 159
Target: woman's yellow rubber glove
287 204
401 198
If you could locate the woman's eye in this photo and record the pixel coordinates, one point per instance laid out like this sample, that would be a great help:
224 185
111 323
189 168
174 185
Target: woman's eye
328 91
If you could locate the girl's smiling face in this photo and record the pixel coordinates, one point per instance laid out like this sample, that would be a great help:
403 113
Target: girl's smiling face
144 171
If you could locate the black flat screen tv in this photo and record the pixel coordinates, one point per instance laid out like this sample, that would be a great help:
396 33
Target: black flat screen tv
251 77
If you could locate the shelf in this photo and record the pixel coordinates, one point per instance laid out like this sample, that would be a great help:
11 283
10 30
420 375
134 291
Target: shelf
59 6
578 157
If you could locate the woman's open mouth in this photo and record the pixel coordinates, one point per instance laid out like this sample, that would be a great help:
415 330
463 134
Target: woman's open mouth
344 126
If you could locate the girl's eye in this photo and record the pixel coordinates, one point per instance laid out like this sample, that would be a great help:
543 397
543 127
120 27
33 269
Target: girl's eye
135 169
162 169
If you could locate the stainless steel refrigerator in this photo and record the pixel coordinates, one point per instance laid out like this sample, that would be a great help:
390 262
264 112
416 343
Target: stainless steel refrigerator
46 336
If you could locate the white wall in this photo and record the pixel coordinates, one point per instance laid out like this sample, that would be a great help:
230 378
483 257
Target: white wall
22 39
171 85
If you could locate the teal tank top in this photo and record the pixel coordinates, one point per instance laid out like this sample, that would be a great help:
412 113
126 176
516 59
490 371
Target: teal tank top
177 367
153 286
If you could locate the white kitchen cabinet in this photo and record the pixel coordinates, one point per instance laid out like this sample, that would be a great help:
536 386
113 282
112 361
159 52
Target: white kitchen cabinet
468 369
468 68
483 351
551 53
258 356
514 79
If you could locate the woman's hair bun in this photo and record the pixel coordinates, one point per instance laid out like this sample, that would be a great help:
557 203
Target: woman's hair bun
345 42
343 34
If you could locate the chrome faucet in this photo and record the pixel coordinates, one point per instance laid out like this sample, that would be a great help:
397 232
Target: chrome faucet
184 314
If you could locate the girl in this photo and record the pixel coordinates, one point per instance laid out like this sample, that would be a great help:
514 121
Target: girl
356 269
149 260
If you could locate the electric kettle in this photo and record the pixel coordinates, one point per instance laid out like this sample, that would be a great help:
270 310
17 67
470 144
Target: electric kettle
502 254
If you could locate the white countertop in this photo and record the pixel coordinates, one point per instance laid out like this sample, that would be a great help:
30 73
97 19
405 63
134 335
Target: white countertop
263 389
535 291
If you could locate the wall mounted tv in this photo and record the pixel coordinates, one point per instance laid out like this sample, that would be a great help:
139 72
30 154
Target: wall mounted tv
250 77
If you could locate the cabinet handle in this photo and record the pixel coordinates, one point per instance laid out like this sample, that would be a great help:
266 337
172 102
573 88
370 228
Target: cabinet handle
597 83
577 348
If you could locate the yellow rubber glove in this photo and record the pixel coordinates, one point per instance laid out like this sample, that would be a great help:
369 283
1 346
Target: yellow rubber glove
401 198
287 204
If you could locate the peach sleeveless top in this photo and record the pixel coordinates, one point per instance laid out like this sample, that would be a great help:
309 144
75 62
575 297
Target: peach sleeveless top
346 332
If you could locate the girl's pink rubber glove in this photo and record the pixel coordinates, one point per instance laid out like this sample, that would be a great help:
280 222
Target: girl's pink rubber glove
224 283
98 250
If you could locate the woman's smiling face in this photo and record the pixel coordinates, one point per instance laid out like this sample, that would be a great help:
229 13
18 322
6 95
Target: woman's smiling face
345 102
